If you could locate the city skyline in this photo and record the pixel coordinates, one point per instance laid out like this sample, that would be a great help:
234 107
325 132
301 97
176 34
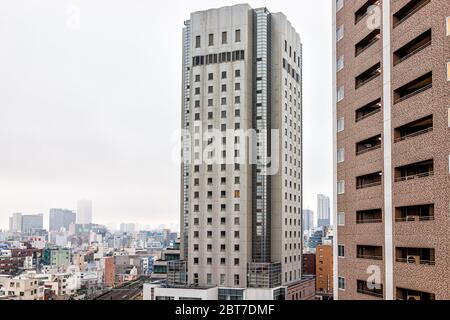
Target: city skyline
100 145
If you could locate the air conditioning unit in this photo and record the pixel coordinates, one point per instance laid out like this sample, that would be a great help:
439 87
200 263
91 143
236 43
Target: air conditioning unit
412 218
413 259
414 298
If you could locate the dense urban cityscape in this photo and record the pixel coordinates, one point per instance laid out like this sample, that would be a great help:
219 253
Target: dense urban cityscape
76 259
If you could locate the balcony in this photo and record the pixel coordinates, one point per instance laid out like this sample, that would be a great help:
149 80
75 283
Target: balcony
367 42
369 181
414 129
369 216
368 75
413 88
368 145
370 289
415 256
362 12
414 171
370 252
408 10
412 47
368 110
414 295
415 213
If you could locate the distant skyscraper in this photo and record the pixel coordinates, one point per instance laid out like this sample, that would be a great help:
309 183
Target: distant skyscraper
84 212
32 222
323 211
16 222
308 220
127 227
61 218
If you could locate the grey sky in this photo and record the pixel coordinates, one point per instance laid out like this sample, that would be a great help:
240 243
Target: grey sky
90 112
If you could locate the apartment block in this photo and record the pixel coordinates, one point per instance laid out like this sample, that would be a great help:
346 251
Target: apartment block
392 149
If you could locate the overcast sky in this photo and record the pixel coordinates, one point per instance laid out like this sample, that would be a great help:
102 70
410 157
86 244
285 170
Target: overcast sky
88 109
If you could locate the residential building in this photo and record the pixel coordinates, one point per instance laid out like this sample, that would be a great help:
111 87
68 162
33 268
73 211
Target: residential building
31 223
324 269
392 173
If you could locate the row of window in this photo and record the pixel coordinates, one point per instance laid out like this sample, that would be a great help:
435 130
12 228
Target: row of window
214 58
223 277
291 71
224 36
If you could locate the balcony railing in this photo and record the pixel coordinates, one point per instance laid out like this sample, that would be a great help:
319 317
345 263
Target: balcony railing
358 153
369 257
367 221
412 53
398 22
367 115
412 94
415 218
368 185
416 176
421 262
365 81
370 293
412 135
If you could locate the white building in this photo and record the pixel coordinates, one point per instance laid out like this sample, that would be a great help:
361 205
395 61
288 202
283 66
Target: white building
84 212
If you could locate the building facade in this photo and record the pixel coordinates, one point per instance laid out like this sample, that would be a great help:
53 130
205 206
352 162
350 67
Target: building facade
392 142
241 201
32 222
308 220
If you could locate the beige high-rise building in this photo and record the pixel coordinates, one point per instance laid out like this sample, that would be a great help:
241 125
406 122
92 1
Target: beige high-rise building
392 147
241 192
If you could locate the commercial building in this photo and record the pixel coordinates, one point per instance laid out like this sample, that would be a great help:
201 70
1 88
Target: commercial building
241 182
323 211
84 212
30 223
392 142
307 220
61 219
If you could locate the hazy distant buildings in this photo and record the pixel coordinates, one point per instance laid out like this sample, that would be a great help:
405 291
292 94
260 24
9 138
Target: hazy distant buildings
61 218
127 227
323 211
84 212
308 220
32 222
15 222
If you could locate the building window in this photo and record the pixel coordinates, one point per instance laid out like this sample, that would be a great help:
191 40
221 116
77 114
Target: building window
341 251
340 63
224 74
238 35
237 73
341 187
222 279
339 33
197 41
341 219
339 5
209 279
211 39
197 78
340 94
224 38
448 116
341 283
341 155
340 125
